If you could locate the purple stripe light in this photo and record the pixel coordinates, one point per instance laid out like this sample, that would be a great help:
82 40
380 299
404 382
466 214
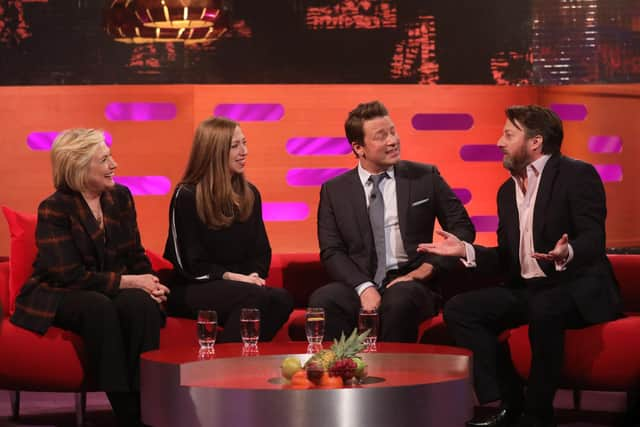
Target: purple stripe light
442 121
318 146
574 112
463 194
609 173
605 144
44 140
284 211
140 111
481 153
145 185
485 223
250 112
305 177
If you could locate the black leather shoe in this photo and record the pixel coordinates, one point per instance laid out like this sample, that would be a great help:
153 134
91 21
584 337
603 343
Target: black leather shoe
505 417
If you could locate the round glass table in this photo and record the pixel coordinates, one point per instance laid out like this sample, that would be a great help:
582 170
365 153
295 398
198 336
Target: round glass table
410 385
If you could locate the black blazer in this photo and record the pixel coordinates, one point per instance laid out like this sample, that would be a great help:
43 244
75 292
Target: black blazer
570 199
74 253
346 241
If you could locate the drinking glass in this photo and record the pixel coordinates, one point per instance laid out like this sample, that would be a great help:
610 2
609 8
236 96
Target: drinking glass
207 328
250 326
314 325
369 320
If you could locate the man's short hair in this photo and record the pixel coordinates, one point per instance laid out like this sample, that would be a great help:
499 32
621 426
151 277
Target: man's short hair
354 125
538 120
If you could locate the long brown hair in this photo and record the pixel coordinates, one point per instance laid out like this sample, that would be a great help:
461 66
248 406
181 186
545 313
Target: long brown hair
221 197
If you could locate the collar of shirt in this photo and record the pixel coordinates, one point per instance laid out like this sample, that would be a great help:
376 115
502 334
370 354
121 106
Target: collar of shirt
364 175
534 168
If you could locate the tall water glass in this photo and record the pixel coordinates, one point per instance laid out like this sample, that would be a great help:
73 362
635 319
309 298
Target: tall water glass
314 325
207 328
250 326
369 320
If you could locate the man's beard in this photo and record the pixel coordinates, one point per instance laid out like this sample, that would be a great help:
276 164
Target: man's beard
517 162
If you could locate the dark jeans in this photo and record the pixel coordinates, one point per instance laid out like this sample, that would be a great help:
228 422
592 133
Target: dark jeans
227 298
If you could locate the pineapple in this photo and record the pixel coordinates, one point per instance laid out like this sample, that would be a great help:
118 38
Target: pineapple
345 351
324 358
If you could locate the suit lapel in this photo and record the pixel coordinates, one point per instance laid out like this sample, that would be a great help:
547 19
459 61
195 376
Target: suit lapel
359 204
545 187
403 191
511 220
91 226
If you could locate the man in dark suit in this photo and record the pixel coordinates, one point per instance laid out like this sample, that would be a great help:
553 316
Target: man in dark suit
369 233
551 249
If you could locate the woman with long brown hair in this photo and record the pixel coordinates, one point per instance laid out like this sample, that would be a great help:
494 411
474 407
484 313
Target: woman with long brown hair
217 240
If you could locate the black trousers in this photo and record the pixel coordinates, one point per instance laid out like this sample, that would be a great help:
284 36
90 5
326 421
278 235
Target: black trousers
403 307
115 331
476 319
227 298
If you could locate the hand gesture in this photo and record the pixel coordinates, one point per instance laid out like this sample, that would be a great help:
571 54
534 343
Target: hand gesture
558 254
450 246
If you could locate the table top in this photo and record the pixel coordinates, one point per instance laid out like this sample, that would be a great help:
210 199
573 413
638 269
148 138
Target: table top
179 355
392 365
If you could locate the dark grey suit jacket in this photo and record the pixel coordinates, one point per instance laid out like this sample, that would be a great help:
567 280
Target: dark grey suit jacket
346 242
570 199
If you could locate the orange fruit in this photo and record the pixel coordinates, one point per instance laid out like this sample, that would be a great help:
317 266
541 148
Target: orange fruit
299 380
327 381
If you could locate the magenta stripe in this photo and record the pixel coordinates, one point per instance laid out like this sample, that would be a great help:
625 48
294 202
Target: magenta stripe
303 177
318 146
605 144
610 173
44 140
285 211
250 112
145 185
141 111
442 121
574 112
485 223
480 153
463 194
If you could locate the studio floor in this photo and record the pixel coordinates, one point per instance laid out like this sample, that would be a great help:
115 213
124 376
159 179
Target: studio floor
57 410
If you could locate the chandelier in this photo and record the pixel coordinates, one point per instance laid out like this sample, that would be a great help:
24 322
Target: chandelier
122 22
177 13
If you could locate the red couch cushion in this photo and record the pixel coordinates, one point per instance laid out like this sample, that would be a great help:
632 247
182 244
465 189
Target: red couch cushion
22 252
600 357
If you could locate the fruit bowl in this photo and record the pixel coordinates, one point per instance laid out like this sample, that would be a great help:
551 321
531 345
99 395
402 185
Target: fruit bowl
330 368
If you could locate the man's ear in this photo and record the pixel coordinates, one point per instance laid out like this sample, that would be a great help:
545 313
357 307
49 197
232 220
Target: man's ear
536 143
358 149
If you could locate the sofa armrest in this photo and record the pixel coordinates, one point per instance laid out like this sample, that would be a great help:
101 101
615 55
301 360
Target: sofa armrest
4 289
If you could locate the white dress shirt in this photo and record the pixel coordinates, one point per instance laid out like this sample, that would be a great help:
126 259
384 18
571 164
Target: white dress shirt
394 247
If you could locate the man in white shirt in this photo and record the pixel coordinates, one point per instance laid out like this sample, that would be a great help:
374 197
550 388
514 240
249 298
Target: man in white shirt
370 221
551 250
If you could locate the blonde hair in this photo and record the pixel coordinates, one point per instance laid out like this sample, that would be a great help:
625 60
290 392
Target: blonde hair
71 155
222 197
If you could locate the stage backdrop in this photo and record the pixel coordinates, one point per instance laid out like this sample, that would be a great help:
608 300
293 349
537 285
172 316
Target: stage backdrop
296 141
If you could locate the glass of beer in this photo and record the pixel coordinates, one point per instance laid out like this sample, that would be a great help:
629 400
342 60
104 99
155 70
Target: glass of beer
369 320
314 327
207 328
250 327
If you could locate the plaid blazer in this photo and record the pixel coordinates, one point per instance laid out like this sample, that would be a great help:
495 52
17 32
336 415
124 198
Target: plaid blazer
74 253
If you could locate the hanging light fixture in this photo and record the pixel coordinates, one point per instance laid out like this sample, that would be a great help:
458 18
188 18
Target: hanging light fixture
123 25
178 13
